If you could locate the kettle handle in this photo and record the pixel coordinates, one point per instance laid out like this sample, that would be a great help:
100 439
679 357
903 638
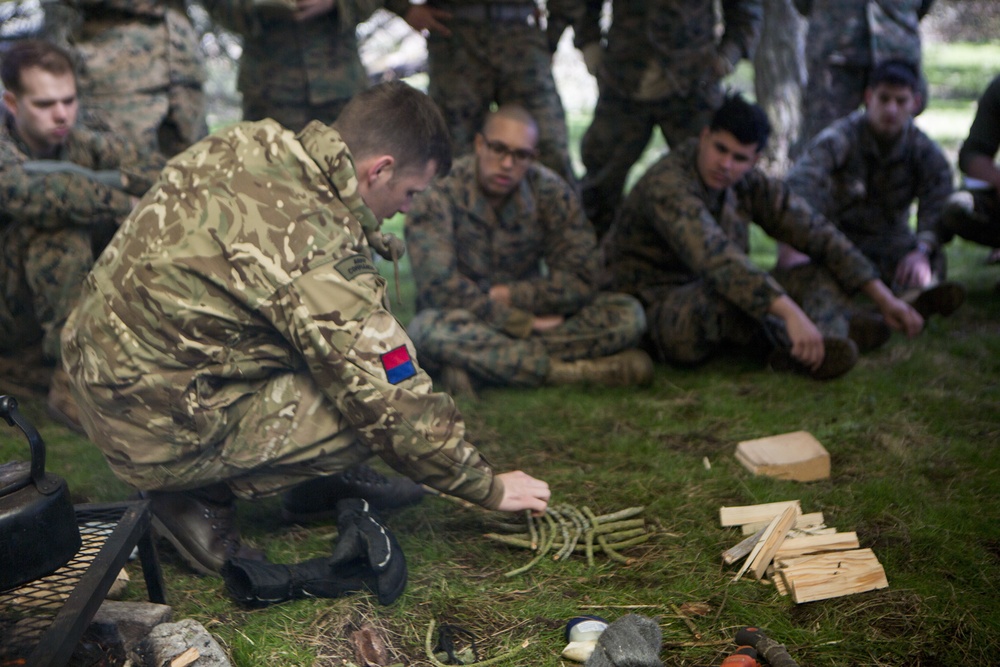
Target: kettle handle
44 483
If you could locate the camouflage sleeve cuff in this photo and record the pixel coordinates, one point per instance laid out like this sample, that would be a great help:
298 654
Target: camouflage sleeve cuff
518 323
492 500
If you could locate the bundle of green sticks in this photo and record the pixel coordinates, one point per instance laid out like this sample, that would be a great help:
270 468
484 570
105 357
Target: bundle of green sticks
565 529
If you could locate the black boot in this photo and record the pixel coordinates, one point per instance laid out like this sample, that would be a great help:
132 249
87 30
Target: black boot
316 499
201 525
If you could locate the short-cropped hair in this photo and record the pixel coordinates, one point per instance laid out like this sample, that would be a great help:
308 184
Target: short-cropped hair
895 73
28 53
744 120
396 119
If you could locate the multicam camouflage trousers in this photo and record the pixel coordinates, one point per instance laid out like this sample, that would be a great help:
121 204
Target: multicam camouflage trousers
609 324
692 321
284 432
485 63
41 273
618 135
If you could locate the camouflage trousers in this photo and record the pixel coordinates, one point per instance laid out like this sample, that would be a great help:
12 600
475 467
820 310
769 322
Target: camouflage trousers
292 116
263 443
41 273
482 64
609 324
166 121
692 321
618 135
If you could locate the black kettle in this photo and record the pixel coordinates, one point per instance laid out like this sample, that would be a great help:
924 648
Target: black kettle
38 531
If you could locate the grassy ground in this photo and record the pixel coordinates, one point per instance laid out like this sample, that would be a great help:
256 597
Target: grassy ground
911 432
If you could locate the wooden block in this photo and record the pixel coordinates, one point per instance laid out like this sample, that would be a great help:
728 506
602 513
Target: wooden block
796 456
814 544
763 551
733 554
771 542
833 574
804 522
743 514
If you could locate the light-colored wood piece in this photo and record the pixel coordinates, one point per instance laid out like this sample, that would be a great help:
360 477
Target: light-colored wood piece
733 554
186 658
797 456
742 514
770 543
804 522
833 574
778 527
814 544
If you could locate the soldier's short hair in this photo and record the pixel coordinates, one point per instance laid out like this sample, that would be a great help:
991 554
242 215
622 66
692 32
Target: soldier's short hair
396 119
28 53
895 73
744 120
512 112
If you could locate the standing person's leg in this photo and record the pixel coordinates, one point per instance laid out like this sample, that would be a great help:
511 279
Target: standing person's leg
462 80
520 52
615 141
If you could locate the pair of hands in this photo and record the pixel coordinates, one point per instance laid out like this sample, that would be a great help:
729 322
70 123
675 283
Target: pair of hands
501 294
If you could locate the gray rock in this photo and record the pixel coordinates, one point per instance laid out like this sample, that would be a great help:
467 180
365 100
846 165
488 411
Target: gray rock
168 640
128 623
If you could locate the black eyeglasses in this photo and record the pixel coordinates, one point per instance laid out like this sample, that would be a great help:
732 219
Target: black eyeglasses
501 150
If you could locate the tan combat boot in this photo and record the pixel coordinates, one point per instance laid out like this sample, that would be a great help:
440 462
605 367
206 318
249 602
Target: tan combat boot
61 404
624 369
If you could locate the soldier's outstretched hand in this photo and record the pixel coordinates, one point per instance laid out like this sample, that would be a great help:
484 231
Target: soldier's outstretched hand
521 492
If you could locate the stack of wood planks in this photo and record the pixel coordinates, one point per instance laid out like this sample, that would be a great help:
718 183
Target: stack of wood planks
799 554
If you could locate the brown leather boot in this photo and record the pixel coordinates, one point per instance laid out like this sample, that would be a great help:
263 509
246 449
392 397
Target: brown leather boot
61 405
624 369
943 299
868 331
841 355
201 525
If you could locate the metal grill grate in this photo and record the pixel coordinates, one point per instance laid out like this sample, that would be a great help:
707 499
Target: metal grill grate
41 621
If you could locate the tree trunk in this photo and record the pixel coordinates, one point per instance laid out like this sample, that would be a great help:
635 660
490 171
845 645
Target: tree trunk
779 75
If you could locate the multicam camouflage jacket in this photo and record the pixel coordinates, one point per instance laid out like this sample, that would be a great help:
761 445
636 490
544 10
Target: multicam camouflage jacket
309 62
82 185
539 244
673 231
862 33
134 45
672 41
247 261
866 189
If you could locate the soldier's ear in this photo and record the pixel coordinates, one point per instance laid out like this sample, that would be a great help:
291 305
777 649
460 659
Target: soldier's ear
10 101
379 169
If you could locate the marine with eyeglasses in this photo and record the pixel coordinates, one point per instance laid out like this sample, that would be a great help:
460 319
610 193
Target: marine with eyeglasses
506 269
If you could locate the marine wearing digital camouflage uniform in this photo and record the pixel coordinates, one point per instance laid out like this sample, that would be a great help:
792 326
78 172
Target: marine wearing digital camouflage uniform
682 242
506 268
235 336
974 212
486 52
845 40
141 70
661 67
61 185
865 171
297 66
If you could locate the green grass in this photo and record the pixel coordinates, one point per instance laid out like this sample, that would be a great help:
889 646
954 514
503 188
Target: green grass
912 434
